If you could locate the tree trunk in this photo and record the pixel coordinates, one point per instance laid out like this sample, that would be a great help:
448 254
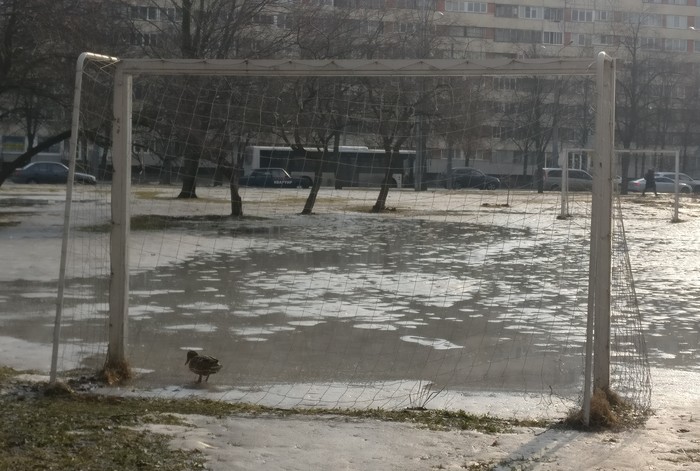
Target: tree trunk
189 178
380 205
166 171
236 200
311 200
318 176
231 174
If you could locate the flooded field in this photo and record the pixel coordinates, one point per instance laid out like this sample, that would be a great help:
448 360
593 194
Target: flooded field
464 290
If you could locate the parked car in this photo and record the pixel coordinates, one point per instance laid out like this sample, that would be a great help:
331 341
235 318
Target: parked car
49 172
579 180
663 185
468 177
682 177
274 178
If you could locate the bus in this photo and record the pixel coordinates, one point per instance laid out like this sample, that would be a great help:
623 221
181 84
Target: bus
356 166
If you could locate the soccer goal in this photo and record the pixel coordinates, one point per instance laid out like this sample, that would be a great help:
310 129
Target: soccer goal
293 219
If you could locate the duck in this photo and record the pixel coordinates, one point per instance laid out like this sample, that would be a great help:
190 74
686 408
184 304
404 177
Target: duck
202 365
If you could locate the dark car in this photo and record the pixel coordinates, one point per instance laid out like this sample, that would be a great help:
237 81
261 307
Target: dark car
274 178
579 180
48 172
468 177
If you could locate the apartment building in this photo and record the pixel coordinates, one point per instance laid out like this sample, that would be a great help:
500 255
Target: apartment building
662 29
665 29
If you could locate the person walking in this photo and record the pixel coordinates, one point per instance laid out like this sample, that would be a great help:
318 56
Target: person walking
539 178
650 182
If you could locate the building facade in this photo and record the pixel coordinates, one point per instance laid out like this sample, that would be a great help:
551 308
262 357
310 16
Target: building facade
653 35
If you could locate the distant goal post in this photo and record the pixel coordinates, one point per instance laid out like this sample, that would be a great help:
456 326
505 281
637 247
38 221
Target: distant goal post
658 159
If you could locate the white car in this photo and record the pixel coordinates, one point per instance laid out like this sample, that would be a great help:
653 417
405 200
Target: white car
682 177
663 185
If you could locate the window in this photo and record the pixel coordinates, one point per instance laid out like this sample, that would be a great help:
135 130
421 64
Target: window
678 45
475 7
474 32
360 4
263 19
665 90
407 28
13 144
650 43
582 16
517 35
581 175
167 14
144 39
373 26
532 13
583 40
505 83
647 19
138 13
676 21
415 4
553 14
456 31
152 13
603 15
604 39
466 7
506 11
549 37
54 149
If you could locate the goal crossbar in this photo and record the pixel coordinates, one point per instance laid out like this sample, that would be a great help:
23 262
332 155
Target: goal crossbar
345 68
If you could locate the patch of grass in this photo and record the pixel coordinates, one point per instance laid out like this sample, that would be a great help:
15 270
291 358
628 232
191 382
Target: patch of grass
45 427
8 218
157 222
6 373
479 466
153 194
85 432
609 411
442 419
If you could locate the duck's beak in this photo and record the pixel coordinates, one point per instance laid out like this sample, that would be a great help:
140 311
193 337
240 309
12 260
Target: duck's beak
187 361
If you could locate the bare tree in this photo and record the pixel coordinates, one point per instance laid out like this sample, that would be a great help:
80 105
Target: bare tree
216 29
641 72
462 112
37 61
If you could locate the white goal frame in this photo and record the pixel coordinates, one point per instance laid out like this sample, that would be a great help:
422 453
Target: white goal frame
601 67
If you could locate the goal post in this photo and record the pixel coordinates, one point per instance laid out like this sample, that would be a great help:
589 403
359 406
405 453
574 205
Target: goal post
128 74
599 273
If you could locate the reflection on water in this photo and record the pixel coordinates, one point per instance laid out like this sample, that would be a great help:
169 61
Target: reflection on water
361 298
442 301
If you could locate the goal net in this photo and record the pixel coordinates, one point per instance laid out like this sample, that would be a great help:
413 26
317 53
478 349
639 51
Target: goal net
301 222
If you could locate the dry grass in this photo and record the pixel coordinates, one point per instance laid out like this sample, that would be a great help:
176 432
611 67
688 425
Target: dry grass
609 411
115 373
